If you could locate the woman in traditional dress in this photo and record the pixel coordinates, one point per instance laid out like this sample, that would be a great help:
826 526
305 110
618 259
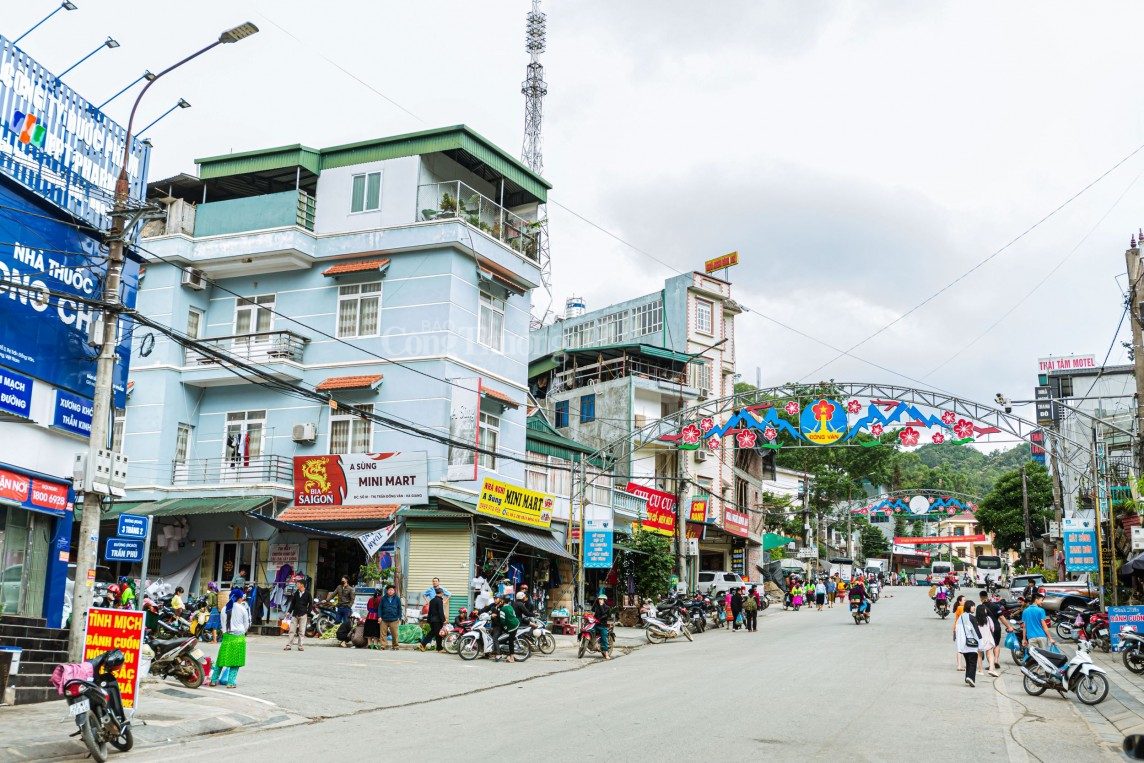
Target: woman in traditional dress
232 651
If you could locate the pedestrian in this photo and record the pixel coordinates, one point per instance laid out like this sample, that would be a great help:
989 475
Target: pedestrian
1036 624
602 612
431 592
232 650
214 622
831 592
796 600
389 610
509 623
958 610
994 611
987 621
299 607
343 598
372 625
736 608
1060 560
239 580
967 635
820 594
751 610
436 621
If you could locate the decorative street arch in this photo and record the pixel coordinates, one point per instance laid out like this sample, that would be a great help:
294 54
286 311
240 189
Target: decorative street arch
919 504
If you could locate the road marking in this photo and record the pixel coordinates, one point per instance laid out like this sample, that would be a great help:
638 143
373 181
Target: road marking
232 693
1017 753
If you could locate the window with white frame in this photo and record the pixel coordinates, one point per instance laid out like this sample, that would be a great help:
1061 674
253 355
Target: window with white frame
599 489
118 423
701 376
350 433
182 444
559 476
359 309
491 322
244 432
647 319
536 473
365 194
194 323
703 321
488 439
612 327
254 315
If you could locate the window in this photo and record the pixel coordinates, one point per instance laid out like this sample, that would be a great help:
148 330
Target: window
701 376
366 195
244 430
587 408
559 476
647 319
194 323
580 335
492 322
254 315
235 558
703 316
959 530
349 433
488 439
359 309
536 474
1066 386
702 487
612 327
562 414
118 422
182 444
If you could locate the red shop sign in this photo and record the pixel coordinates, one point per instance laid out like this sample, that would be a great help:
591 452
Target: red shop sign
736 522
660 509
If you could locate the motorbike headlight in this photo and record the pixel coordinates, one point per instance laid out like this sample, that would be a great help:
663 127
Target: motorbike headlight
536 632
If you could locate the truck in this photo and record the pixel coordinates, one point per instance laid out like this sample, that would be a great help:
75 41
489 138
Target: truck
877 566
842 566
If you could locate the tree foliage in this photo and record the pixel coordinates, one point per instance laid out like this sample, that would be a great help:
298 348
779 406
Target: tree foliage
1002 510
874 542
652 569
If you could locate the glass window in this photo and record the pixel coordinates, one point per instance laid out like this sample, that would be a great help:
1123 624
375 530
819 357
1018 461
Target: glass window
562 414
235 559
350 433
701 376
587 408
254 315
488 438
491 322
194 323
703 316
359 309
244 431
647 319
366 192
536 474
182 443
1066 386
559 476
118 422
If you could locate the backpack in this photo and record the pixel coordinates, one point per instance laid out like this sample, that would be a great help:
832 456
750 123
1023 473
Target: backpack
750 605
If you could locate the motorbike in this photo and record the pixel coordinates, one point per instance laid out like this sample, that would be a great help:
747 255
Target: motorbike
480 641
457 629
872 594
860 611
322 617
179 657
588 639
659 631
97 707
942 608
538 636
697 616
1050 670
1093 627
1133 651
1069 619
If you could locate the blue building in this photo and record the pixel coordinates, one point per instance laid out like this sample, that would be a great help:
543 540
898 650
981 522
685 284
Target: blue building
393 275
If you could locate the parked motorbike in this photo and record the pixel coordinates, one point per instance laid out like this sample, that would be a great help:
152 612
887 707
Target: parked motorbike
588 639
322 617
457 629
179 657
1069 619
1049 670
479 641
659 631
1093 627
97 707
697 616
538 636
1133 651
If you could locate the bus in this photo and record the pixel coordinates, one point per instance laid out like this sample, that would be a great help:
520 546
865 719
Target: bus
987 566
940 571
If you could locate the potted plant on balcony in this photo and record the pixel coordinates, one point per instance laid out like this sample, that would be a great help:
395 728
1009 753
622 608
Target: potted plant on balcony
448 205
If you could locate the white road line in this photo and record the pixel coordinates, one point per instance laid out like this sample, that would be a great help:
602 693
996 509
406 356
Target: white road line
233 693
1017 753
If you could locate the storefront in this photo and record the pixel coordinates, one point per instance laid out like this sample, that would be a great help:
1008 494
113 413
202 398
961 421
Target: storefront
35 532
514 555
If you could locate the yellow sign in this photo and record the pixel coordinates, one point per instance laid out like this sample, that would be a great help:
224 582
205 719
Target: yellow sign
719 263
515 504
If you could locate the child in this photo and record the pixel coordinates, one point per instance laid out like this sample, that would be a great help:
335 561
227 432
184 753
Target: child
232 651
214 623
177 602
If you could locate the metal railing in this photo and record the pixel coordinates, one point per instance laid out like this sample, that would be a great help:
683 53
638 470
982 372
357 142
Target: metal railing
628 503
454 200
259 347
237 470
616 368
307 208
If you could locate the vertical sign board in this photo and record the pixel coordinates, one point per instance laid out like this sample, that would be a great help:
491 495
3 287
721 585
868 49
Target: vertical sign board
120 629
1080 551
1037 446
1124 620
598 529
739 561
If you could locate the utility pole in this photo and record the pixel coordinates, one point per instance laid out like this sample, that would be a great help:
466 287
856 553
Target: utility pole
1025 508
1136 315
112 309
1096 513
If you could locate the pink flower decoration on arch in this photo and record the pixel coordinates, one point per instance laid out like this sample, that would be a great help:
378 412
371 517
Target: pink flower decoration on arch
770 433
938 438
876 429
707 425
963 428
746 438
713 443
909 437
854 406
792 408
690 435
947 418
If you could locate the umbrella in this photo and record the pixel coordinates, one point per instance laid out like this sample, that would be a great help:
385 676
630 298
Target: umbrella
774 540
1132 566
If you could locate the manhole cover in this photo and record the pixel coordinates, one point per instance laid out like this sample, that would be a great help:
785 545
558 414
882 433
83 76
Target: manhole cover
179 693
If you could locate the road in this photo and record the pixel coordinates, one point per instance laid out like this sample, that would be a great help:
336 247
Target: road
807 685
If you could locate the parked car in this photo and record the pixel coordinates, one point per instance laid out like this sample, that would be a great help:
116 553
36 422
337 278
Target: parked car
719 581
1073 593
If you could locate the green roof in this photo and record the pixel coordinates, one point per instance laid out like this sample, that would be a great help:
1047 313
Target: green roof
179 507
541 437
458 139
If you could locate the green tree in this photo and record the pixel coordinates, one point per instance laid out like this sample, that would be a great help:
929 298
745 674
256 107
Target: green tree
651 562
1002 512
901 526
874 543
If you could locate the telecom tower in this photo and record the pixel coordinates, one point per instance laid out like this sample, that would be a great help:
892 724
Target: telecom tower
534 88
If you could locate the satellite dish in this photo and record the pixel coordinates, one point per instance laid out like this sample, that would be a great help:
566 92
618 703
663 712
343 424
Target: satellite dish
919 504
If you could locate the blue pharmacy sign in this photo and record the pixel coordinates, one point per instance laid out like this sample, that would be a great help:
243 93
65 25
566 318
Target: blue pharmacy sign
132 526
1123 620
123 550
72 413
598 549
1081 553
49 272
15 393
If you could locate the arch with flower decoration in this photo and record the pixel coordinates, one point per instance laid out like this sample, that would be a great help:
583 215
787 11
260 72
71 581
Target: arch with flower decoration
937 504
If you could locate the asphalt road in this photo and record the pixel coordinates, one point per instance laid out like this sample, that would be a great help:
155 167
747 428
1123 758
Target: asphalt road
807 686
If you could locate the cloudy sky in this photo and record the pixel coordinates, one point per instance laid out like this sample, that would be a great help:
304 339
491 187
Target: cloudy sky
861 157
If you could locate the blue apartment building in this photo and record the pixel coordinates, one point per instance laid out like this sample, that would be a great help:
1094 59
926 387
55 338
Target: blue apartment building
392 274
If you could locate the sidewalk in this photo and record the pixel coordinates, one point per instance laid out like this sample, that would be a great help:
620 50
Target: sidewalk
1122 712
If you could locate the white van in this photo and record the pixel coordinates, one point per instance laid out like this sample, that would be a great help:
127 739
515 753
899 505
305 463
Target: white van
718 582
940 570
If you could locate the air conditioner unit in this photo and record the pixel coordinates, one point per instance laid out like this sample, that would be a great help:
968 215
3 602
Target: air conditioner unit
701 454
704 394
304 433
194 279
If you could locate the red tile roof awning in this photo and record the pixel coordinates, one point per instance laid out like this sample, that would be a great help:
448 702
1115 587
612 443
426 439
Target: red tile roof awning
349 382
336 513
500 397
356 267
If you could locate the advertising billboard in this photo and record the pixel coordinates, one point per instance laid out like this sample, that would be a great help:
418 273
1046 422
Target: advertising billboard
660 508
58 145
515 504
49 272
362 479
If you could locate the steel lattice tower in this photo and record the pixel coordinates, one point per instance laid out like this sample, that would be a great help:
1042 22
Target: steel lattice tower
534 88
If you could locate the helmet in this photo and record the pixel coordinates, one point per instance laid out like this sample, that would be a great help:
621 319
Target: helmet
520 595
113 589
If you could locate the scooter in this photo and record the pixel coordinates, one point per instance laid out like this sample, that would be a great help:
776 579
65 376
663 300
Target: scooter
941 607
179 657
1133 651
1049 670
479 641
588 639
1093 627
860 610
538 636
322 618
696 613
658 631
97 706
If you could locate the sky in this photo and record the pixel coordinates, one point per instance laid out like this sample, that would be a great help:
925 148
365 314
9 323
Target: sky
863 158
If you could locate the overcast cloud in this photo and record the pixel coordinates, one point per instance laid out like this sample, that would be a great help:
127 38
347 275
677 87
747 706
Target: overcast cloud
859 156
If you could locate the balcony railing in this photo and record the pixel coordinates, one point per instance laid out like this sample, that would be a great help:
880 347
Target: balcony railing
230 471
630 504
260 347
616 368
454 199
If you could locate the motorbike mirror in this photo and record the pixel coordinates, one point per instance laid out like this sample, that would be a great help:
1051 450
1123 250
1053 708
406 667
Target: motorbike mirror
1134 746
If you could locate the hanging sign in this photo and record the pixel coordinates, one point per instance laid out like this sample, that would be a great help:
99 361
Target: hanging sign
362 479
373 541
942 539
598 551
736 522
698 510
739 561
660 508
120 629
515 504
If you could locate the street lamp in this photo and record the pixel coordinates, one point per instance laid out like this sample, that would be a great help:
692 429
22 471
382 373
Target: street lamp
182 104
146 75
64 6
105 364
108 43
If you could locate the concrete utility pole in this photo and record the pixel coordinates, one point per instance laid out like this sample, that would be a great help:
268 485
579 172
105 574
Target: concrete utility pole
88 545
1136 310
1025 508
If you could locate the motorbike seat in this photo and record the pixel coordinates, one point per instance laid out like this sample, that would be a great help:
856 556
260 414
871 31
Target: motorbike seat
1131 636
110 660
169 643
1058 660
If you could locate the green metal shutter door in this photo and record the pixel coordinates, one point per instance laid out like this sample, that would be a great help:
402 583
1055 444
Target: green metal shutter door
439 553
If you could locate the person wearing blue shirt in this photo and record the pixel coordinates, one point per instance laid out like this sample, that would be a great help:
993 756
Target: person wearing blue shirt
1036 624
431 591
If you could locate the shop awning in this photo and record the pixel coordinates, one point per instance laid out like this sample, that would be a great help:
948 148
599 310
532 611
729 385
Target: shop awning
353 533
538 539
181 507
774 540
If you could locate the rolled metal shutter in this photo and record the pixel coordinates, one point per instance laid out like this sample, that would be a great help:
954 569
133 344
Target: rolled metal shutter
439 553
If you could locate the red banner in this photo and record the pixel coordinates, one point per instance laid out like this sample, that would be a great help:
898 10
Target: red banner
736 522
660 509
120 629
942 539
